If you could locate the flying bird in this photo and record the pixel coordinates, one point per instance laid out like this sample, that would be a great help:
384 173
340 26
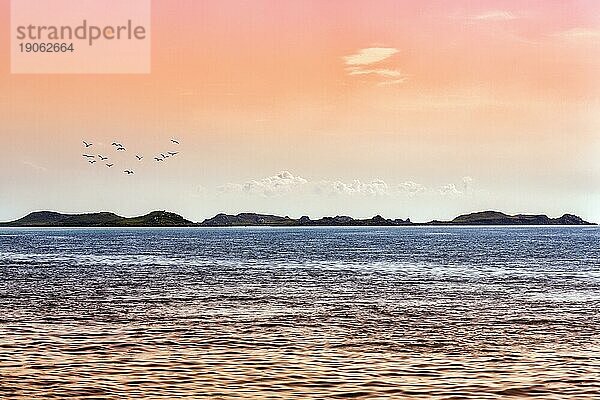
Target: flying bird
109 165
92 161
174 141
116 144
121 149
173 153
139 157
158 159
128 172
102 158
89 156
163 156
87 144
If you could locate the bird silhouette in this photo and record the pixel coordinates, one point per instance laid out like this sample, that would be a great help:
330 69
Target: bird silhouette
109 165
174 141
116 144
121 149
102 158
163 156
139 157
87 144
89 156
128 172
158 159
173 153
92 161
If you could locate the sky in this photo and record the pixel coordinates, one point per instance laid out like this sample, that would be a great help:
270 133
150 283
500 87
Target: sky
424 109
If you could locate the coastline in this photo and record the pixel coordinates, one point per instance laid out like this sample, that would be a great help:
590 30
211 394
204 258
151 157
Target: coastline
157 219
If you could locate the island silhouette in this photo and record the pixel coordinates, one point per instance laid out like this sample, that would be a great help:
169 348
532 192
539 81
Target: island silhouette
169 219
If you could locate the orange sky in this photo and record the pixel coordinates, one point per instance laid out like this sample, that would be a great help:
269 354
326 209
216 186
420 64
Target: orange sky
487 104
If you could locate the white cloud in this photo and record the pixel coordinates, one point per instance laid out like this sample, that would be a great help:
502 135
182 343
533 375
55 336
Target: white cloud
361 62
579 33
449 190
393 81
279 184
494 15
452 190
488 15
411 188
285 183
388 73
467 181
370 55
376 187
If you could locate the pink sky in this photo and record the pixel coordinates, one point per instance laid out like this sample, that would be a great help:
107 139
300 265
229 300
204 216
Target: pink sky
502 95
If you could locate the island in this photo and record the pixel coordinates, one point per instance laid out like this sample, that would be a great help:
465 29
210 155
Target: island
42 219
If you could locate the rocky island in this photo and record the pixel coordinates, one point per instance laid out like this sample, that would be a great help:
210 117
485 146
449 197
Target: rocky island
168 219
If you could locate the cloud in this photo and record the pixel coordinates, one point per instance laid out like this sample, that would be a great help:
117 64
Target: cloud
393 81
276 185
285 183
452 190
449 190
34 166
578 33
376 187
494 15
388 73
467 181
362 62
411 188
488 16
370 55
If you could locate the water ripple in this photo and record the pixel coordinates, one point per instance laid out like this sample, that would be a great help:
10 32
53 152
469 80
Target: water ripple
483 313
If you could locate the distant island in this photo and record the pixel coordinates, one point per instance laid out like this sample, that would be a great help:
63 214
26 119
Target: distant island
168 219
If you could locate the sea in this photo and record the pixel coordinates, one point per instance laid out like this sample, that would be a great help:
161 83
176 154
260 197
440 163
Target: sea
300 313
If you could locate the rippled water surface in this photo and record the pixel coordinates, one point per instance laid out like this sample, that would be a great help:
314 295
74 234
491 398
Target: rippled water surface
300 313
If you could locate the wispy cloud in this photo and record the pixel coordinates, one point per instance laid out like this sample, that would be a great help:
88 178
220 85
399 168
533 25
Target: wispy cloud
494 15
364 60
34 166
579 33
487 16
393 81
370 55
387 73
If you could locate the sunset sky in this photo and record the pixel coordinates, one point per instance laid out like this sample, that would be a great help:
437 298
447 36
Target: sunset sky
420 109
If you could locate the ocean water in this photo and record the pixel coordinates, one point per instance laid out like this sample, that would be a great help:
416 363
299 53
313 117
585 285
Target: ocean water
373 313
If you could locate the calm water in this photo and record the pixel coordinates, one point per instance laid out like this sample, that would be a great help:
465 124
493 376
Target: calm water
300 313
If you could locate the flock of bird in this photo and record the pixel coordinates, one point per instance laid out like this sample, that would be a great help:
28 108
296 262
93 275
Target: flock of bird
120 148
